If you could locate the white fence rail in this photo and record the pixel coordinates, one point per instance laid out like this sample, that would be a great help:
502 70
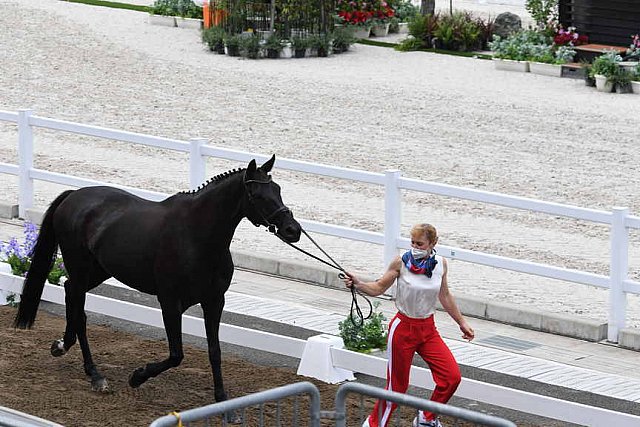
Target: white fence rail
619 219
344 359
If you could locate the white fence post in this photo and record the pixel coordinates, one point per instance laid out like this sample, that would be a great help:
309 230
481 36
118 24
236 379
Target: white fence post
25 159
619 271
392 209
197 163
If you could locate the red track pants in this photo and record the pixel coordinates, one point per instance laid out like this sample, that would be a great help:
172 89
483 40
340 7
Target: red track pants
406 337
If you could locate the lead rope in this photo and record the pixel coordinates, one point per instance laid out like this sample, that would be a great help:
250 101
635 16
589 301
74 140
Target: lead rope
341 275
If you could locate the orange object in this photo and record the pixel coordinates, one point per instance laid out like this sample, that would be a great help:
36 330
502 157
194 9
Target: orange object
206 14
218 16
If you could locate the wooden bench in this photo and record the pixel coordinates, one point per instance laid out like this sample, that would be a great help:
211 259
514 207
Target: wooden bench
588 52
574 70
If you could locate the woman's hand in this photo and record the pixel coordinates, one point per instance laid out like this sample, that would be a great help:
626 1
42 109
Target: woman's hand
350 280
467 331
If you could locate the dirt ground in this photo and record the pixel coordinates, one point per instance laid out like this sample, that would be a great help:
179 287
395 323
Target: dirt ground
57 389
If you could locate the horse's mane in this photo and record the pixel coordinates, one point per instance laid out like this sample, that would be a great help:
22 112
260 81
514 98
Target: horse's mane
216 179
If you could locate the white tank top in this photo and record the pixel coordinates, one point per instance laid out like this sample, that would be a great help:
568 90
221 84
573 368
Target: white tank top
417 294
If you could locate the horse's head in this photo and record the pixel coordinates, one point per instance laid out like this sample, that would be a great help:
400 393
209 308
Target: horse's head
265 206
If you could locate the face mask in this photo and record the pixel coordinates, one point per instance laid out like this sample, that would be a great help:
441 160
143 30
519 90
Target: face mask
419 253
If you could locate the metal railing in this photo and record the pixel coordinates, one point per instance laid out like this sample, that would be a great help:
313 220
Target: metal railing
618 219
242 406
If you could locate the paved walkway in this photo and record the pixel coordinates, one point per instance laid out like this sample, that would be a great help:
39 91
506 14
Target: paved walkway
566 362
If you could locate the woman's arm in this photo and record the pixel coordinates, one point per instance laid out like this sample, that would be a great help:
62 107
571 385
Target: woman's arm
379 286
449 304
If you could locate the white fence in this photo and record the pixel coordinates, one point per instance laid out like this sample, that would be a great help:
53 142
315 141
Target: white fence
344 359
619 219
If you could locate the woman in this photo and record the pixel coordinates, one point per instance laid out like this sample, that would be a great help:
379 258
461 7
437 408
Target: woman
422 278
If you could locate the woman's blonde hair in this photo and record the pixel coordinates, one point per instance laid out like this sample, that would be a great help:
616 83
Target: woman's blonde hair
427 230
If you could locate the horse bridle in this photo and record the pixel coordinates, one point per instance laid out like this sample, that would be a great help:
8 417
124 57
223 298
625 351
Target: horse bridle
268 217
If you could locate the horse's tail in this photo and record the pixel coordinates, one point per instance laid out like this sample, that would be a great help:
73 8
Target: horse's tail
42 260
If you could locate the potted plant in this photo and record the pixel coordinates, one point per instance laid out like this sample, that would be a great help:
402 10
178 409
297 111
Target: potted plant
512 53
232 43
342 39
382 13
321 43
365 337
603 68
621 80
299 46
251 46
273 46
403 13
162 12
357 14
214 38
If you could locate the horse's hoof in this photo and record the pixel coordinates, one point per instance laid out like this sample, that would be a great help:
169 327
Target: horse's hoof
137 379
57 348
233 417
100 386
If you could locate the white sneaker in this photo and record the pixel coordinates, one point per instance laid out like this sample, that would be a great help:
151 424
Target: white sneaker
421 421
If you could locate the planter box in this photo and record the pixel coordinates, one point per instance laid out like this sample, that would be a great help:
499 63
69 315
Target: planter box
361 33
552 70
635 87
380 30
167 21
191 23
403 28
511 65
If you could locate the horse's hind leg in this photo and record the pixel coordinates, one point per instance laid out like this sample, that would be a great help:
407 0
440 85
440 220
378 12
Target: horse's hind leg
61 346
75 296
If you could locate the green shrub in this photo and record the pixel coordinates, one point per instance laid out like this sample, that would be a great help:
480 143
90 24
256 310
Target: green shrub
343 38
251 46
606 64
214 38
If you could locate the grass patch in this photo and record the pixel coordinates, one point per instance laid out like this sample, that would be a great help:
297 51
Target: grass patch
112 4
432 50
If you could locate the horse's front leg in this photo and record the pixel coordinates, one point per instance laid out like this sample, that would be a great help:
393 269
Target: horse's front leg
212 313
172 318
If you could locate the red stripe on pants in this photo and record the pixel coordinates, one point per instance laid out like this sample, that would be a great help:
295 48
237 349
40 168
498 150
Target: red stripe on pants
406 337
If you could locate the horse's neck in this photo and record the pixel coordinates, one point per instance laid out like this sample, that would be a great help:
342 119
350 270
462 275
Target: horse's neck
218 208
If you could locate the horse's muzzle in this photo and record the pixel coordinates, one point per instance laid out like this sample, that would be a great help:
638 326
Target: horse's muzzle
290 230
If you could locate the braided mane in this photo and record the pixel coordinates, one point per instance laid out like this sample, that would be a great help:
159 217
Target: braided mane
216 179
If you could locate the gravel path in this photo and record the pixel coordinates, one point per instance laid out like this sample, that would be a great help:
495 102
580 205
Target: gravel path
435 117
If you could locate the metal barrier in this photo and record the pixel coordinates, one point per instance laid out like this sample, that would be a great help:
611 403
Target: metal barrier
413 402
205 413
315 414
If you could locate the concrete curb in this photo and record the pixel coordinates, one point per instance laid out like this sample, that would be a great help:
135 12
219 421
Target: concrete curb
511 314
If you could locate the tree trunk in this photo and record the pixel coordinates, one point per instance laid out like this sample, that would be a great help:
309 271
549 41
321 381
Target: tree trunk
427 7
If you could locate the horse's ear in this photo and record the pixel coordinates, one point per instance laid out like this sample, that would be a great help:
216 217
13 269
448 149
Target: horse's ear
251 169
269 164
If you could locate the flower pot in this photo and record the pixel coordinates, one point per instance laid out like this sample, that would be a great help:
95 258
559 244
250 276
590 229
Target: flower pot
603 84
362 32
552 70
380 30
190 23
511 65
322 52
232 51
167 21
299 53
273 53
403 28
635 87
286 51
624 88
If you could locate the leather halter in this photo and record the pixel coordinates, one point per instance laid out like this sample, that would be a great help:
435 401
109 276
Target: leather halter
266 218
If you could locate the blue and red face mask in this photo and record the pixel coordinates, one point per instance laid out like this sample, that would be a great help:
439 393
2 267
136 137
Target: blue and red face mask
420 266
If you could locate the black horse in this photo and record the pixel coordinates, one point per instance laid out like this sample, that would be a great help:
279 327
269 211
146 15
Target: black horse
177 249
